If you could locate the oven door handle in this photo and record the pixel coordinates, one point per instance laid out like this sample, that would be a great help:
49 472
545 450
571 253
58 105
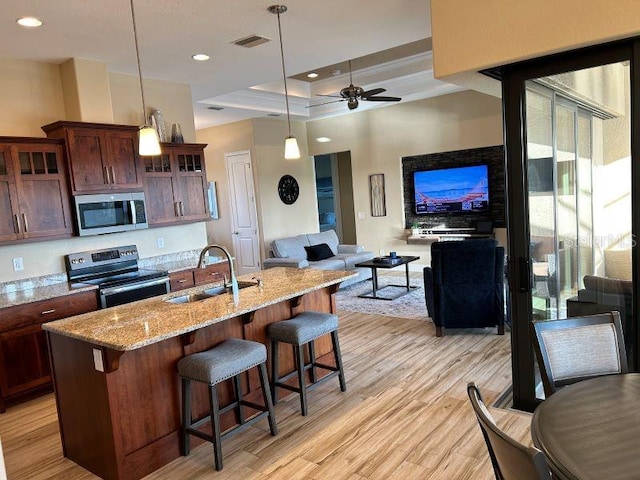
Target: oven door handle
133 286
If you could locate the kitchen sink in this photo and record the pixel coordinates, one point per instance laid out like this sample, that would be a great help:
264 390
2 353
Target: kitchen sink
192 297
208 293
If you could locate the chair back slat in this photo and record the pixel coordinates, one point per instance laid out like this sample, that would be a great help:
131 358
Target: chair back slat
573 349
510 459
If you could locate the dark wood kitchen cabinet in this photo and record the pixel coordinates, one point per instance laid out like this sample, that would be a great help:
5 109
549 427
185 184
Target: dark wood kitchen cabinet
24 361
102 157
34 196
213 273
176 184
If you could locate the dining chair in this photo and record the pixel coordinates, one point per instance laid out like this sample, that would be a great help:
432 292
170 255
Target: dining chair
573 349
511 460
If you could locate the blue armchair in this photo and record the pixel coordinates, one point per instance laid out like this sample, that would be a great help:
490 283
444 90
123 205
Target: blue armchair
464 285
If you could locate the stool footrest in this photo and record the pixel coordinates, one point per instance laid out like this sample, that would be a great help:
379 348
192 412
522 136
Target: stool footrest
310 386
192 429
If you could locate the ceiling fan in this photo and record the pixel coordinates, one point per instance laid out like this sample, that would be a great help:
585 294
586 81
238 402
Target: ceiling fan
353 94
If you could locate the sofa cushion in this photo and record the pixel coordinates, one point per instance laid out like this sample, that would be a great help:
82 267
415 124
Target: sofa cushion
318 252
333 263
350 259
329 237
608 285
290 247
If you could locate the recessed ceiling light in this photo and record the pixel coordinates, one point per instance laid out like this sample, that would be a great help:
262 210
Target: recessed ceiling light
323 139
312 75
201 57
29 22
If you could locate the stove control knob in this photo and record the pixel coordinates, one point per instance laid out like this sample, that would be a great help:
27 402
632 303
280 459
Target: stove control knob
81 260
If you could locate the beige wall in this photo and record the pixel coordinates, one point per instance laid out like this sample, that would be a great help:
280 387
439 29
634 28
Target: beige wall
87 95
46 258
264 138
470 35
233 137
280 220
376 139
30 95
172 99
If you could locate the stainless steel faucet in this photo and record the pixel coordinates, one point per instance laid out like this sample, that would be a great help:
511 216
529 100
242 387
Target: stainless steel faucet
234 281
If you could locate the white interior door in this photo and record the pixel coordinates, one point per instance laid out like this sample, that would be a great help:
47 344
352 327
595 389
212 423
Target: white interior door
244 217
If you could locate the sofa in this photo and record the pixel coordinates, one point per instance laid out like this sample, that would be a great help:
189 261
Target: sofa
291 252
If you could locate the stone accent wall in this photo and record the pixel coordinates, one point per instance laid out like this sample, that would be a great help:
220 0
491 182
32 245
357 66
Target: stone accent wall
491 156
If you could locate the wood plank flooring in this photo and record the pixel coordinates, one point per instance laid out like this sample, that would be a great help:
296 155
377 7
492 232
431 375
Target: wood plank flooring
405 415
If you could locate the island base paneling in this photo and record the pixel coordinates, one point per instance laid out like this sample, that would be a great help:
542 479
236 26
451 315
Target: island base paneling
124 422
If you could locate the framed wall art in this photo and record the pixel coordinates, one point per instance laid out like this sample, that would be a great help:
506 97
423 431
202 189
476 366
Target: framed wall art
376 190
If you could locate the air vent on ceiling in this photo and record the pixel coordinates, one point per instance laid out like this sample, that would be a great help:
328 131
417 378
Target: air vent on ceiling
251 41
217 109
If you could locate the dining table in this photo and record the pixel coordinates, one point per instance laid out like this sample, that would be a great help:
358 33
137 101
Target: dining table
591 429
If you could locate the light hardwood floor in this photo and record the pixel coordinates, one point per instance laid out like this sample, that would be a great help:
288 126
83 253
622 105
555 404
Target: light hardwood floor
405 415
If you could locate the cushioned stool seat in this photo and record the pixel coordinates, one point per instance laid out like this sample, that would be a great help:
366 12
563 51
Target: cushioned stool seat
299 331
222 362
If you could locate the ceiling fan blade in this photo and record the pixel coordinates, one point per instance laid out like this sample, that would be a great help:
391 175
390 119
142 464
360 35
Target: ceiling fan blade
373 91
325 103
382 99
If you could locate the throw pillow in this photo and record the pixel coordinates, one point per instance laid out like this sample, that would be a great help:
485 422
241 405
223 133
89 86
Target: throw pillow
318 252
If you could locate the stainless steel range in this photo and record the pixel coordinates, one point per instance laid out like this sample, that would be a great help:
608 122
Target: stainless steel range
115 271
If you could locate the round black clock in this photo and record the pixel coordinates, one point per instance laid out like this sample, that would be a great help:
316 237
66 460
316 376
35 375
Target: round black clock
288 189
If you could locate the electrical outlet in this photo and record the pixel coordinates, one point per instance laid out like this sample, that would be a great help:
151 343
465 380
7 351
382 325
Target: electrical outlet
18 264
160 242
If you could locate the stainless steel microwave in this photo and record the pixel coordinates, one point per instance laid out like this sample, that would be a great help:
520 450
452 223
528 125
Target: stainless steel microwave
110 213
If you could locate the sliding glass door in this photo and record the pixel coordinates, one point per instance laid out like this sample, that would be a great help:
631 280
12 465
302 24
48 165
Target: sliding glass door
571 181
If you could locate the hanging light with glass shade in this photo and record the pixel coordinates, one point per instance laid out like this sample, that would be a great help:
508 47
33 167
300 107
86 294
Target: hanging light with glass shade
291 149
149 144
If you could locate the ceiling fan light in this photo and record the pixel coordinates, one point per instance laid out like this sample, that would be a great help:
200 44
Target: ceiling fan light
291 149
352 103
149 144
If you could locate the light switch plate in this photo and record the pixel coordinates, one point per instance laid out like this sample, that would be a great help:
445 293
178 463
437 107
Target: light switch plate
18 264
160 242
97 360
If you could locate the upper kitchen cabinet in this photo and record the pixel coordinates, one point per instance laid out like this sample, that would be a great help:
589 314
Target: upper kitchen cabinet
177 174
102 157
34 197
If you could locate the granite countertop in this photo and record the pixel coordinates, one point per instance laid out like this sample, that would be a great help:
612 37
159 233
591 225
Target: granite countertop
44 292
42 289
141 323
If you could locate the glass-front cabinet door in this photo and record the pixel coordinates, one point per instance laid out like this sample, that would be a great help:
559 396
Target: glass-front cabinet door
571 185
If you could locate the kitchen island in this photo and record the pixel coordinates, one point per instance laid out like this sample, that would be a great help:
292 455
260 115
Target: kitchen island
114 370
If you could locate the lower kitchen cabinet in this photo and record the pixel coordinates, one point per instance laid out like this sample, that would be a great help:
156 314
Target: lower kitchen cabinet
24 361
213 273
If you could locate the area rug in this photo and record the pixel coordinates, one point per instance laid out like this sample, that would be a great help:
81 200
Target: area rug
411 305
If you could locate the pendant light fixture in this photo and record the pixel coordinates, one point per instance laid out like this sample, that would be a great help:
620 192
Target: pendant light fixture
149 144
291 149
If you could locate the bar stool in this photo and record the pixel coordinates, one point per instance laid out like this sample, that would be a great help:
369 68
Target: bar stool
302 330
222 362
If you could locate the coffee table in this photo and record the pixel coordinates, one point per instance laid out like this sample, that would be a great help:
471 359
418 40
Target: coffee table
386 262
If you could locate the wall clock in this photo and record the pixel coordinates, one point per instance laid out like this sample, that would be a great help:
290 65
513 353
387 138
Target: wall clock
288 189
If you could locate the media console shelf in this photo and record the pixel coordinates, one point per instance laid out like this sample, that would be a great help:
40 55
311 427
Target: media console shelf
430 235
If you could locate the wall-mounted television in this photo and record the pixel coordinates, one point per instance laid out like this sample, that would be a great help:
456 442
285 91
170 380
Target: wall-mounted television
452 190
